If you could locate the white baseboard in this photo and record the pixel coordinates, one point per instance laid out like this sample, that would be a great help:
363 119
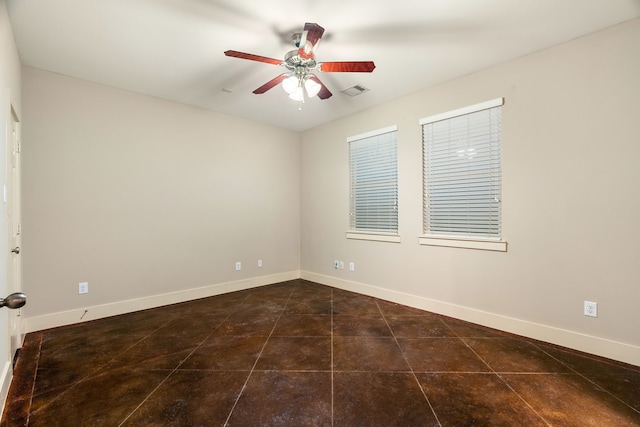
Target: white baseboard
5 381
589 344
62 318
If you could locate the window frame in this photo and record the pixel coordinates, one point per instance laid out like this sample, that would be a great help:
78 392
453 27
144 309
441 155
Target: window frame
469 241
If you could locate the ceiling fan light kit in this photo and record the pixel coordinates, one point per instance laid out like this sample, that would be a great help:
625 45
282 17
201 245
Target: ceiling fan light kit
294 84
300 63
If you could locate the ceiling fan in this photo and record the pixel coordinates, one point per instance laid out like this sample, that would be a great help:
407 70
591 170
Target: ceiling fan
300 63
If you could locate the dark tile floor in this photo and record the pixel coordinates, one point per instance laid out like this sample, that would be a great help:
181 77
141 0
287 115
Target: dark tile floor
303 354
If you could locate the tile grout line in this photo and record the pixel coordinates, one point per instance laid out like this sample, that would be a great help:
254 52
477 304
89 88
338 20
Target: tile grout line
500 376
100 370
174 370
585 377
244 386
35 377
415 377
497 374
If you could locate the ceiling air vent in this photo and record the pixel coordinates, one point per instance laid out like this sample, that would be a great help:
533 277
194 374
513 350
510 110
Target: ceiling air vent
355 90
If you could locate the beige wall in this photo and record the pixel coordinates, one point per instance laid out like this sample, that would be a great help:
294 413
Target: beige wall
571 200
141 197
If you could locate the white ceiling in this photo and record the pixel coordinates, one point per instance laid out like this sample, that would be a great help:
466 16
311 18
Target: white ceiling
173 49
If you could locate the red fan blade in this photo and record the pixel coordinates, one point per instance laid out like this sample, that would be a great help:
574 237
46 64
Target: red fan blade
324 92
252 57
309 40
347 67
271 83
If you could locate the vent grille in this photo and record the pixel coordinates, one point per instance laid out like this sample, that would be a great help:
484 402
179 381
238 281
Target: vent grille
355 90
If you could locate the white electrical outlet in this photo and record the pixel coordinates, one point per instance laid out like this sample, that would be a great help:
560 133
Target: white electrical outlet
591 308
83 288
259 263
342 264
238 266
352 266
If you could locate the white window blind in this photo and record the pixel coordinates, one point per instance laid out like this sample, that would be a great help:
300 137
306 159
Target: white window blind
462 172
374 181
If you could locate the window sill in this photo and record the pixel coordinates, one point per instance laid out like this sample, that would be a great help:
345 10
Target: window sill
485 245
378 237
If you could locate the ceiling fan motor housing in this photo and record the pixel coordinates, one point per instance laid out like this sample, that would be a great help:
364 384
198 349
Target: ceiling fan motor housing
293 61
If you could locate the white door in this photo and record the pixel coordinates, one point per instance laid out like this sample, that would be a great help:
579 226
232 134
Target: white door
14 233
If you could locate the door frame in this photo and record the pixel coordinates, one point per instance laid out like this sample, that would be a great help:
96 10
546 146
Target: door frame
8 115
14 225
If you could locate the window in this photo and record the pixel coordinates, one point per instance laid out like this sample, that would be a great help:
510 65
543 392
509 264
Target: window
373 165
462 177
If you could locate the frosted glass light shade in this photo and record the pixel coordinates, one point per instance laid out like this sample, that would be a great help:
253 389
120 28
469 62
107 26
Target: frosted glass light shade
290 84
312 87
297 94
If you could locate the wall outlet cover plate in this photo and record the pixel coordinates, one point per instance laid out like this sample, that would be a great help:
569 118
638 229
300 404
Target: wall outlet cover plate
591 308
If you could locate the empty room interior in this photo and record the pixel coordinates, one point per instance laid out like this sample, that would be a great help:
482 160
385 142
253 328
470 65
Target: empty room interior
193 253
